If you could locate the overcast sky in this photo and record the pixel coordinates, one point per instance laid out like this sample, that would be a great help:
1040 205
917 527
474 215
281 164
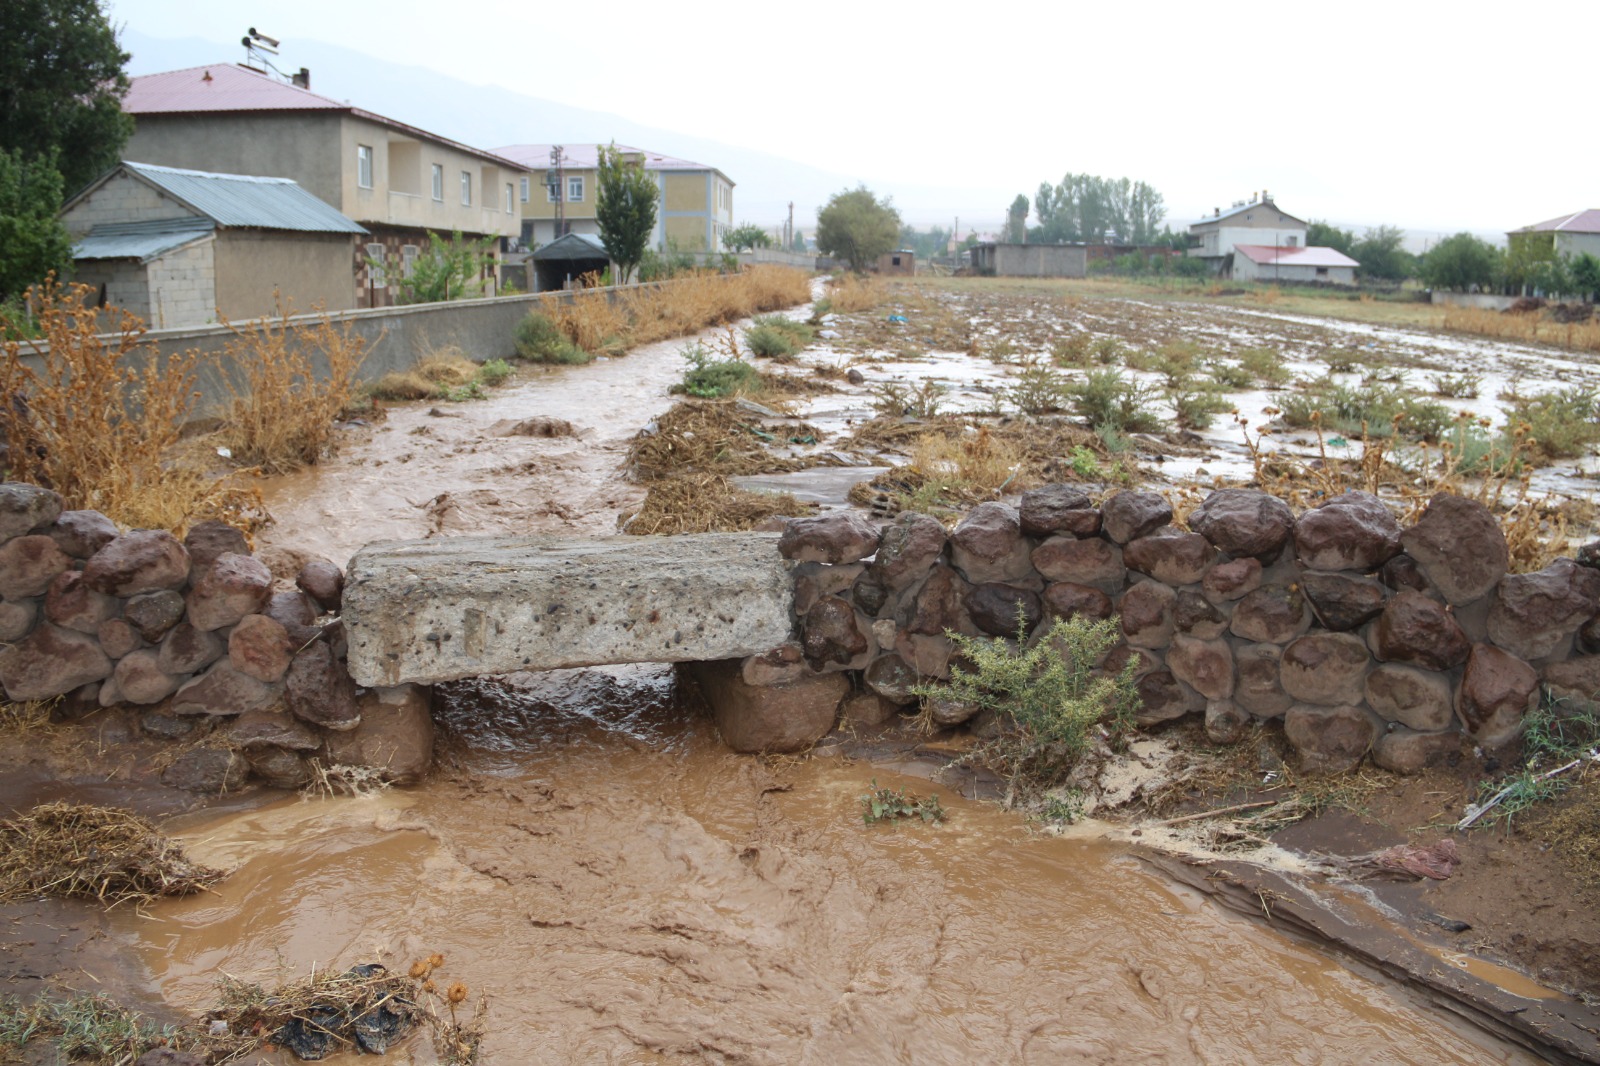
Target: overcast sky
1429 116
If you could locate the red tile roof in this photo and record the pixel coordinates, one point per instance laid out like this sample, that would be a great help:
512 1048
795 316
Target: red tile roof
1314 256
1578 222
226 87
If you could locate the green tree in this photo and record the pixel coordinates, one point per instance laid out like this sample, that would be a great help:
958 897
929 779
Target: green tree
799 244
1381 254
747 236
1017 220
1327 235
1461 262
626 209
61 86
857 227
1585 270
448 270
1086 207
32 240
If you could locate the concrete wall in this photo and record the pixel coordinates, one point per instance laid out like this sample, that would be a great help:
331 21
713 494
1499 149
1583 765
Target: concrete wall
1578 244
123 280
306 269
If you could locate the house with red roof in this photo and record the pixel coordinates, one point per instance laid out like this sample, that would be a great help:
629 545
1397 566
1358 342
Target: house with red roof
1256 240
398 182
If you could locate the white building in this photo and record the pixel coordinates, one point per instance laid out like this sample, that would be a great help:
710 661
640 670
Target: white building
1265 262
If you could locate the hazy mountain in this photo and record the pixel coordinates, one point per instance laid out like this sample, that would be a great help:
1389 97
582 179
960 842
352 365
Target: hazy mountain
488 116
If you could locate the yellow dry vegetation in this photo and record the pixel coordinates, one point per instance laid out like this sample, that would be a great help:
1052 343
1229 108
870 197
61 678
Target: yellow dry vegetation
439 370
1530 327
612 322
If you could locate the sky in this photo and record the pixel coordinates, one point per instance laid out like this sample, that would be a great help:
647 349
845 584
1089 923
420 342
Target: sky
1432 117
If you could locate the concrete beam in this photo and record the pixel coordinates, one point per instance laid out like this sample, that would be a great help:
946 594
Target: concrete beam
433 610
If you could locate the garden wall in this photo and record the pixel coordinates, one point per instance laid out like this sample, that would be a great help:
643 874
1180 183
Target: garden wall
198 637
1363 637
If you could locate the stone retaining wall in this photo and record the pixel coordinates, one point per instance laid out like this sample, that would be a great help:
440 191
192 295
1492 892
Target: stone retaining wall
1363 637
202 634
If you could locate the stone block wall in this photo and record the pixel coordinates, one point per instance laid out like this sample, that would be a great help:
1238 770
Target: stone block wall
199 634
1366 639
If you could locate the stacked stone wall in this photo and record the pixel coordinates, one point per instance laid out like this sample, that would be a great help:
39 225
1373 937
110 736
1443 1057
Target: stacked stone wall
1364 638
201 640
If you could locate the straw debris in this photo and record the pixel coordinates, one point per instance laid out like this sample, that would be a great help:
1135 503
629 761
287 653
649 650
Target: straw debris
89 852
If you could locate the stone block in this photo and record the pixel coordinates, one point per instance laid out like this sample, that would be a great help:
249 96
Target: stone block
780 718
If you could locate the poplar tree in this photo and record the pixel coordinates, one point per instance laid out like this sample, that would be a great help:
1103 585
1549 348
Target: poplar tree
626 209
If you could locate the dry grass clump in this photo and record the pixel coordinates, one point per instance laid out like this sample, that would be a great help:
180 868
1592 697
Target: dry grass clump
707 503
435 375
1529 326
703 437
593 322
1571 827
89 852
848 292
98 418
288 381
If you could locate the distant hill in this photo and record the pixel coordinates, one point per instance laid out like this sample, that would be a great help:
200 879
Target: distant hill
488 116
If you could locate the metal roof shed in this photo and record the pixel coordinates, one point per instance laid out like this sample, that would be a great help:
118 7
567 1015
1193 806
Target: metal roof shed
559 264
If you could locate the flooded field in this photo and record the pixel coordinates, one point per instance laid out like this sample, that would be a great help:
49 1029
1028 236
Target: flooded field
627 891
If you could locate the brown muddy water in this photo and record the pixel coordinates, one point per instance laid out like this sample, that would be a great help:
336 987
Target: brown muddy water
625 890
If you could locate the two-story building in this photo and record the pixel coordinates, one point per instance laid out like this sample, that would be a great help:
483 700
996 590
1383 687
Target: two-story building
696 205
1256 240
1556 238
397 181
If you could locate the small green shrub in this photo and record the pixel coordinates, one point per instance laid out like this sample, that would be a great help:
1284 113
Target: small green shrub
1039 389
1266 365
772 341
891 804
1085 463
820 309
1561 424
1107 398
1071 350
1457 386
1226 375
1108 351
1197 408
540 340
711 379
1047 699
894 399
494 372
1374 410
1556 732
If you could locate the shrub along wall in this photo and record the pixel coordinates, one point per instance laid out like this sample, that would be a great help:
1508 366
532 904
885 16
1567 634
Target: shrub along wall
200 633
1363 637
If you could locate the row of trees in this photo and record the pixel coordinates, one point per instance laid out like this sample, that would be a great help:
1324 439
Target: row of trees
1465 262
1086 207
61 124
1379 251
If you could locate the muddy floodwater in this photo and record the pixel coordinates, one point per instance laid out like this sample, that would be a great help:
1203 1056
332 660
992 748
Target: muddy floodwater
625 890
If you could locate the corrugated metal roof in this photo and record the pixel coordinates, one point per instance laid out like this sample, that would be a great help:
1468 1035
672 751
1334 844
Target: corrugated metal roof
143 241
1577 222
244 200
227 87
1314 256
587 157
574 246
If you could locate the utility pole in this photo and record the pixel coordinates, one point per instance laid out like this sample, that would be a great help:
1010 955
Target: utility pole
555 180
788 230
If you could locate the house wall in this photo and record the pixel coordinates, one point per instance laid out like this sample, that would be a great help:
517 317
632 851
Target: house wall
304 146
1220 240
540 207
183 287
1246 269
687 231
122 199
123 280
410 167
684 191
306 269
1578 244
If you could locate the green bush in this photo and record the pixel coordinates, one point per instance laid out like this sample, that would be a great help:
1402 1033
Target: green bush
1047 699
1197 408
1561 424
539 340
494 372
1106 398
709 379
1038 390
1266 365
771 342
1370 409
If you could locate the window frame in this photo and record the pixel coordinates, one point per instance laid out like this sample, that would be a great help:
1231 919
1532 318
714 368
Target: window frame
364 155
574 182
438 182
511 199
466 188
526 190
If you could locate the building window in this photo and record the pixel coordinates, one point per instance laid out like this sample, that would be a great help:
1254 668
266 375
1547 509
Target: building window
408 260
552 191
511 199
1294 241
575 190
466 188
364 165
1322 272
438 181
524 188
376 275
